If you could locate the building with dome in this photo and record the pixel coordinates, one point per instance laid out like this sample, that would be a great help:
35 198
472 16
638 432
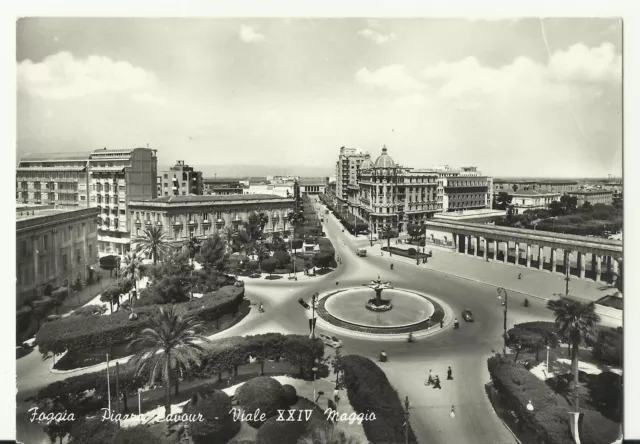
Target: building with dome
383 192
390 194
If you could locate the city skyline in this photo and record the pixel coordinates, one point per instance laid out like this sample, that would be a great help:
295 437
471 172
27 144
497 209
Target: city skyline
524 97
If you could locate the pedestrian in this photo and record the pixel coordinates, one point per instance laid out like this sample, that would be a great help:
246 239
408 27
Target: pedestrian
430 378
519 275
441 323
381 253
260 308
436 383
455 323
453 412
336 395
449 376
336 282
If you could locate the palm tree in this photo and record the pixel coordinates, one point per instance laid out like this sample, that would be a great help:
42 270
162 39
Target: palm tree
171 346
388 232
133 269
191 247
154 242
295 219
228 233
262 251
577 323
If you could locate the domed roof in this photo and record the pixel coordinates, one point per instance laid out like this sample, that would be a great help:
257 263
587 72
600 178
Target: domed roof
366 163
384 160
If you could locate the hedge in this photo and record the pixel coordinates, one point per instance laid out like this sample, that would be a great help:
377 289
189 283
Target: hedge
85 332
549 420
369 391
139 434
92 431
60 294
263 394
609 346
218 424
220 356
290 432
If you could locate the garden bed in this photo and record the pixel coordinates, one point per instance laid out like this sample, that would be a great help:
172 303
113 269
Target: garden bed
405 253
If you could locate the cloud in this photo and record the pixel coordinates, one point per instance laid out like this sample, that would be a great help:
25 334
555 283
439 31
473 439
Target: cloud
391 78
63 77
149 98
375 36
250 35
580 63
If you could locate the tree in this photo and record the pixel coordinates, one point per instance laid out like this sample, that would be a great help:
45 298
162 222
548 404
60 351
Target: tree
269 265
133 269
327 435
171 345
510 213
416 231
153 242
213 255
618 283
241 241
296 244
295 220
191 247
577 323
502 200
263 252
41 308
57 429
112 293
568 203
226 234
388 232
323 259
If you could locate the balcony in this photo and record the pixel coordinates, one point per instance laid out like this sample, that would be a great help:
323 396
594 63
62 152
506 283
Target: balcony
138 222
219 223
177 224
192 224
148 222
206 222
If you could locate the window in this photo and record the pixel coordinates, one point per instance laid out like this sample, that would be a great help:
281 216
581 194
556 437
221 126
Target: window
45 242
78 256
83 198
46 268
166 177
90 251
78 231
122 212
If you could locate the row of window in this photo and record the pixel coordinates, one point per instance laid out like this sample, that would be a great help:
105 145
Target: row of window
44 242
49 175
467 183
106 187
67 186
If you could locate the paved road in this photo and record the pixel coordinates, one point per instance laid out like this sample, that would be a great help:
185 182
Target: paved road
465 350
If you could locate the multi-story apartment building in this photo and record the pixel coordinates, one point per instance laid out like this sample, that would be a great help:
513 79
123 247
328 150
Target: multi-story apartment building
463 189
54 247
390 194
222 187
116 178
180 180
561 186
58 178
593 196
182 217
347 167
531 200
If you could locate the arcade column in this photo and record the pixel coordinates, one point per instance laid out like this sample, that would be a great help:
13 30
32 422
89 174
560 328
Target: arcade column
598 267
528 255
540 257
581 264
505 257
517 260
466 244
455 242
553 260
486 247
495 250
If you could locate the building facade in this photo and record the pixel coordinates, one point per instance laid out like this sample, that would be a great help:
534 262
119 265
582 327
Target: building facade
116 178
222 187
59 178
390 194
463 189
180 180
183 217
532 200
54 247
561 186
347 167
593 197
313 185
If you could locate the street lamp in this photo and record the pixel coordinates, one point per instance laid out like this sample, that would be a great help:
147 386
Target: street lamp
311 308
320 393
547 359
502 291
315 371
530 406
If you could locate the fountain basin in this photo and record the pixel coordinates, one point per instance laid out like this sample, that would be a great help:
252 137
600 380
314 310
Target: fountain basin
349 306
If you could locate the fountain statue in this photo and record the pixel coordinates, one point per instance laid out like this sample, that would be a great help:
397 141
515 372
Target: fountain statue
377 303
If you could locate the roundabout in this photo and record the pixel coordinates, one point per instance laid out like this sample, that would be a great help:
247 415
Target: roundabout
346 311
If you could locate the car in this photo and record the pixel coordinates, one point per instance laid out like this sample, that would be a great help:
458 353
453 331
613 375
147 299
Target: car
467 315
331 341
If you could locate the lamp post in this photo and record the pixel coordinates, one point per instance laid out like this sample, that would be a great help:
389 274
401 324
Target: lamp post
502 291
530 406
568 272
548 359
139 405
315 371
312 309
406 420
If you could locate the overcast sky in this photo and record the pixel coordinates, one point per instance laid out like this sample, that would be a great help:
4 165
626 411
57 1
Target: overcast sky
514 97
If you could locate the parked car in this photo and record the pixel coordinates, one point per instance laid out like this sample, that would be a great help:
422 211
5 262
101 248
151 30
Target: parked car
331 341
467 315
362 252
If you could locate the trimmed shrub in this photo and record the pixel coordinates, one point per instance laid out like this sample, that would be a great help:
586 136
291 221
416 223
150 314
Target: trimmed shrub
23 318
92 431
269 265
82 332
608 346
218 424
262 393
323 259
606 394
282 258
411 251
280 432
290 394
60 294
369 391
296 244
90 310
139 434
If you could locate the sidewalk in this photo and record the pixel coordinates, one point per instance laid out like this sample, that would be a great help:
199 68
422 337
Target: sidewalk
535 283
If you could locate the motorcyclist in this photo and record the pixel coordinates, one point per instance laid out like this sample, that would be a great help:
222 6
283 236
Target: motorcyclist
456 324
392 266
